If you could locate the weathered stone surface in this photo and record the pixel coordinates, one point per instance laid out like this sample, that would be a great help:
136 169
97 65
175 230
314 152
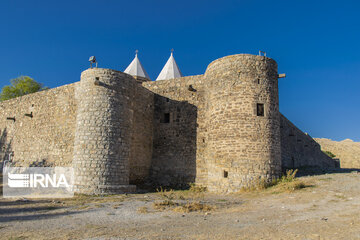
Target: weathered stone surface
142 134
242 146
104 121
46 138
178 145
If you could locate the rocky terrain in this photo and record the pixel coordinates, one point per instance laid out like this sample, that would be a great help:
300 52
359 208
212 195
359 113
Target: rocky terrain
347 151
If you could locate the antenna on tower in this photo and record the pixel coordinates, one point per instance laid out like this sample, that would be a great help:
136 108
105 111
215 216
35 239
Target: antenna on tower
172 51
136 52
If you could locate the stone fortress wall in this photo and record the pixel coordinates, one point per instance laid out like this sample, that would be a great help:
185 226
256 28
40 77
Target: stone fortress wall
222 130
299 149
179 131
39 128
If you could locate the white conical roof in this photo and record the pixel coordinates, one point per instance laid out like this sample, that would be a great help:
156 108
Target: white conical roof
170 70
136 69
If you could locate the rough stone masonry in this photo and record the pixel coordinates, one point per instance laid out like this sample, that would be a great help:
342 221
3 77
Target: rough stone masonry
222 130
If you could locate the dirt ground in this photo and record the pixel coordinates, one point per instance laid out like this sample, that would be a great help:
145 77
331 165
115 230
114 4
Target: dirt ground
328 207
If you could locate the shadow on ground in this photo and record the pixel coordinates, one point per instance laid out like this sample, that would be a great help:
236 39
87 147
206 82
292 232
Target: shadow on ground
24 211
312 171
34 216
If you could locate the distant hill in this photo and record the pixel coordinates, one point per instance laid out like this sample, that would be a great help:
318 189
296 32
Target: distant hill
347 151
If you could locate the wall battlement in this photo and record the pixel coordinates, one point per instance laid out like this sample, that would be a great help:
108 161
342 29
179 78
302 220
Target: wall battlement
222 129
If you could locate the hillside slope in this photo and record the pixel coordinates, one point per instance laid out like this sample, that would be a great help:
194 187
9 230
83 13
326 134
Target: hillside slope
347 151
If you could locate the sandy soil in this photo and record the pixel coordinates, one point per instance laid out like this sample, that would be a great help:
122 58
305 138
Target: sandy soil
328 208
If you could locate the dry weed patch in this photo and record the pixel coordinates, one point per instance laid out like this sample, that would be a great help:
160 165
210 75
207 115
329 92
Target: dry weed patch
194 207
162 205
287 183
194 192
142 210
291 186
196 188
183 207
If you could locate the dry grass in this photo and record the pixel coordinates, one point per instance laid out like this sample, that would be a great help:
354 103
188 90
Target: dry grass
142 210
194 192
165 204
197 188
183 207
290 186
287 183
166 194
193 207
256 185
290 175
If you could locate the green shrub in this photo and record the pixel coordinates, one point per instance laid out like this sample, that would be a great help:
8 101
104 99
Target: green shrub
330 154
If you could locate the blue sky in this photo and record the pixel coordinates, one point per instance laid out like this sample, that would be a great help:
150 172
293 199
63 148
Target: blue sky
316 43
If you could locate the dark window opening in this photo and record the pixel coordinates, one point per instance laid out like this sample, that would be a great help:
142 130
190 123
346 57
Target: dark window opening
258 81
260 109
97 81
191 88
166 117
226 174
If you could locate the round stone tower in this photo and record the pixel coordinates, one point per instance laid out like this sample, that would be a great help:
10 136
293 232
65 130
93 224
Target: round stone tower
103 132
243 122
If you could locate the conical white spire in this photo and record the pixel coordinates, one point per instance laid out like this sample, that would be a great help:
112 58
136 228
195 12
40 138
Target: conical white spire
170 70
135 68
